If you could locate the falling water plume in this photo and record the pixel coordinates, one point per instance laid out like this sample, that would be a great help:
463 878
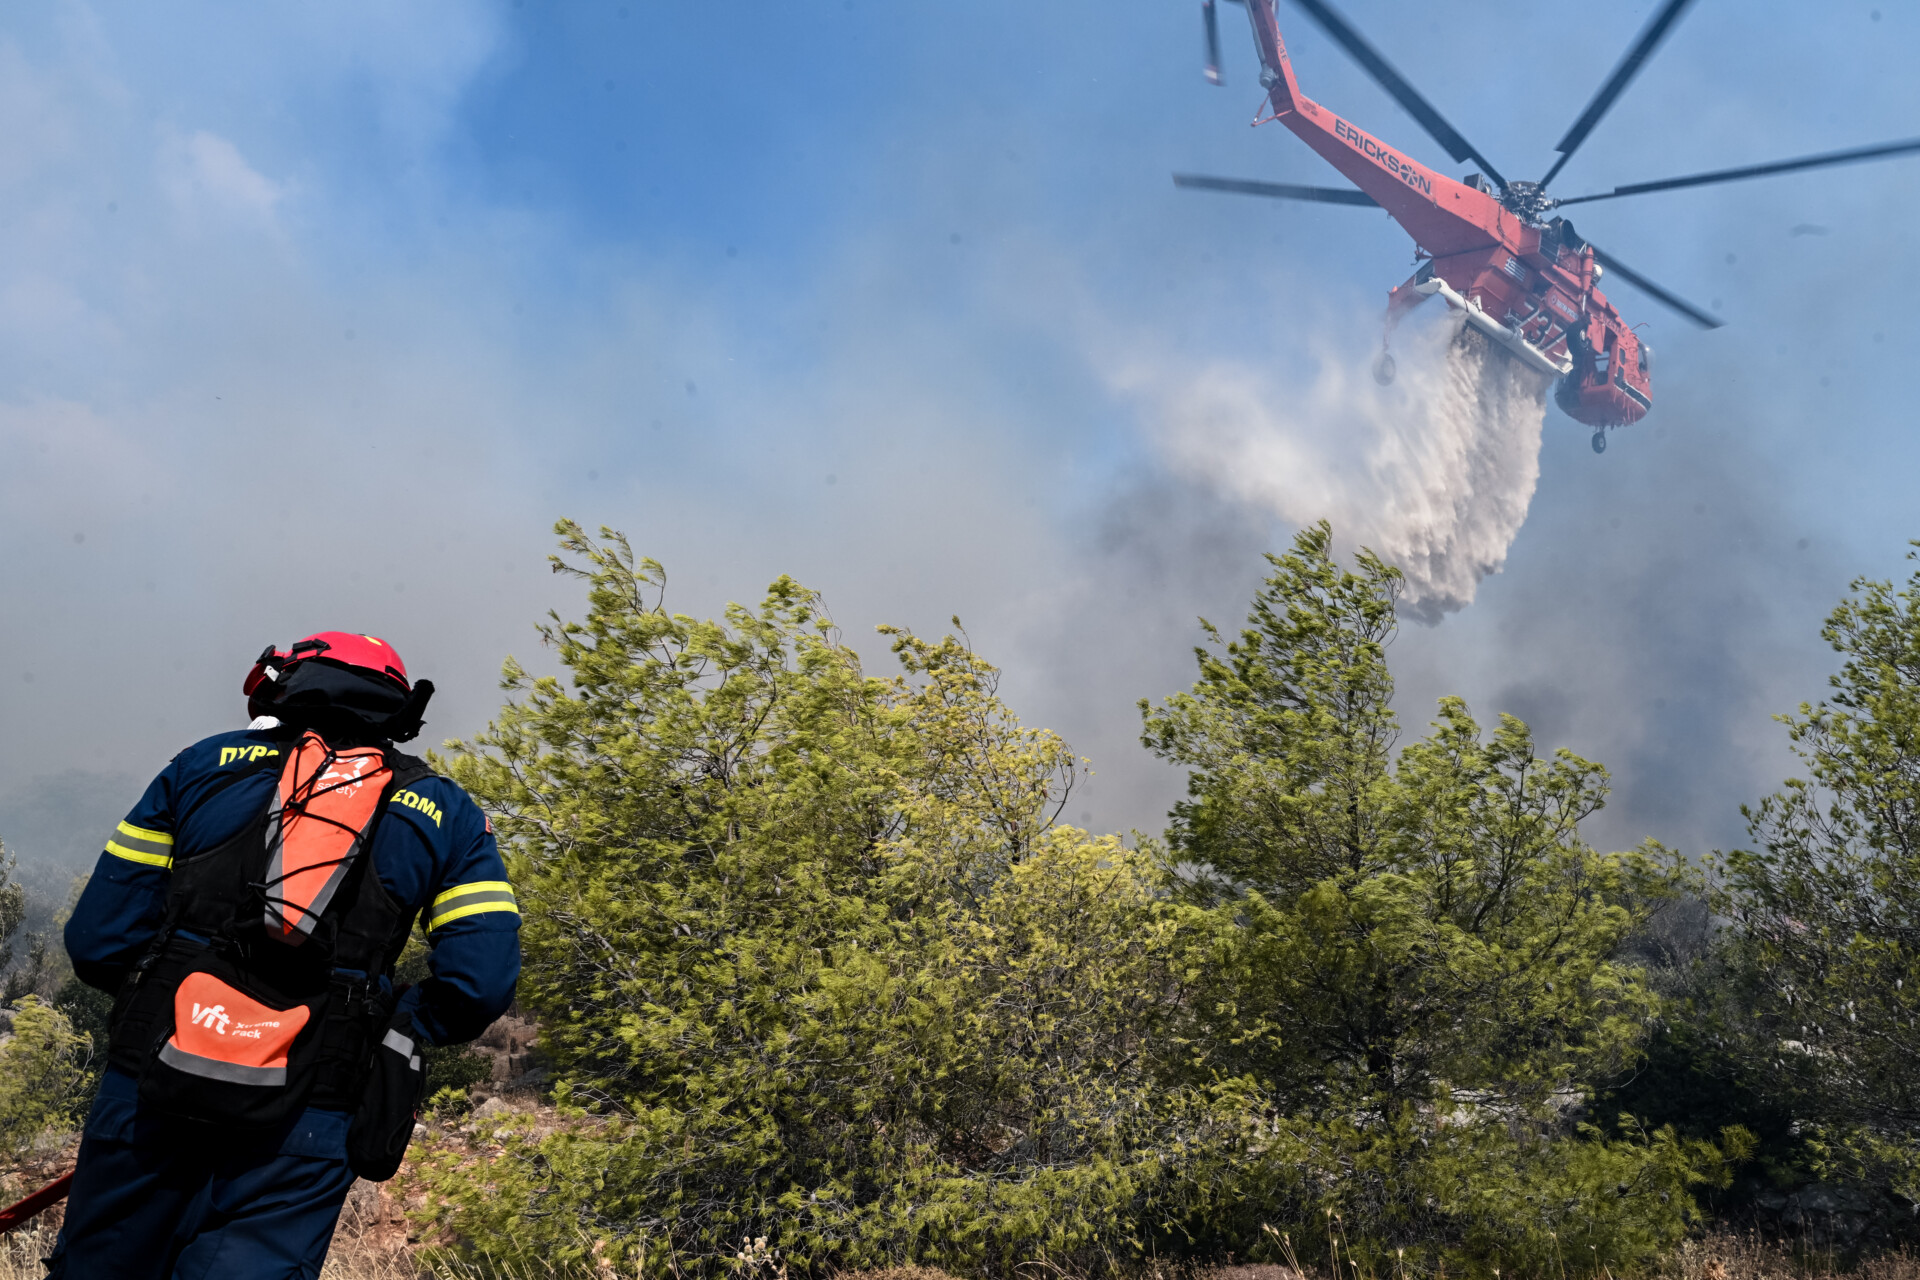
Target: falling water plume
1434 471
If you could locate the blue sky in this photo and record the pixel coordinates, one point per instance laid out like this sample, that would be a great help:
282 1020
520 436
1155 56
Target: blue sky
317 316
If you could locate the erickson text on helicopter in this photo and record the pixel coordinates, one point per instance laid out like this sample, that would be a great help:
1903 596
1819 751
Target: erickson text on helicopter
1400 169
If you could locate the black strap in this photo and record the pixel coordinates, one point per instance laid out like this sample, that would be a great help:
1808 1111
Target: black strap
373 927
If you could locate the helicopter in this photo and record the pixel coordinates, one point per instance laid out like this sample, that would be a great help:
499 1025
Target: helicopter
1490 247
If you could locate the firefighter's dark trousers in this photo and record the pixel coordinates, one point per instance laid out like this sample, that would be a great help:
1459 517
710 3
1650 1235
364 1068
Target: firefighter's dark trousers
158 1199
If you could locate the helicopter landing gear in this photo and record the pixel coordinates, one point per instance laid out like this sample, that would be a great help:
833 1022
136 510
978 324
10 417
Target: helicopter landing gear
1599 442
1384 369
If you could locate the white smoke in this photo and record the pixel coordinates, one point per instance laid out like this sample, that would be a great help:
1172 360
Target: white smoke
1434 472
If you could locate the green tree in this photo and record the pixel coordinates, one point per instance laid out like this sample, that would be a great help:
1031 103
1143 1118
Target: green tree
824 985
1415 973
1826 905
13 914
809 954
1703 1070
41 1073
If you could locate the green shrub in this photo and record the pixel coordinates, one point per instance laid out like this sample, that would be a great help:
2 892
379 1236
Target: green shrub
42 1066
808 955
1825 906
1415 968
823 986
452 1071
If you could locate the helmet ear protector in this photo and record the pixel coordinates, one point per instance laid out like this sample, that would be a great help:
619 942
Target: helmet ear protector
266 668
330 682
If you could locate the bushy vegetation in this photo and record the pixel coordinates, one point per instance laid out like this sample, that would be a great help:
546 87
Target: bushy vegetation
825 985
807 946
47 1066
42 1070
1823 959
1415 976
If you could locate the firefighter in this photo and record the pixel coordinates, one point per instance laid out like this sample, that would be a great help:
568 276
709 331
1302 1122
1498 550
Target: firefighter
247 915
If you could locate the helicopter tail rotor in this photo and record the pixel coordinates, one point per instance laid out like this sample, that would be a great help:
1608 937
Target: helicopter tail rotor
1211 19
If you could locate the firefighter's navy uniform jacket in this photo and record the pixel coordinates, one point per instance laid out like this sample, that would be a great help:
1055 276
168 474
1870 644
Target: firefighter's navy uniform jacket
150 1200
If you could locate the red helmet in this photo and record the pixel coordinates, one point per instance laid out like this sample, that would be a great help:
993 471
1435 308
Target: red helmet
338 682
368 653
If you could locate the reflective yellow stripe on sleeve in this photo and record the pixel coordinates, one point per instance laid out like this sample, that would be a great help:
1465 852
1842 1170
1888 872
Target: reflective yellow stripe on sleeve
137 844
471 900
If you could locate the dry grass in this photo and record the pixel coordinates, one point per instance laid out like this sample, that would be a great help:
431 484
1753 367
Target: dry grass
371 1241
1719 1257
1748 1257
371 1244
21 1251
1251 1271
368 1248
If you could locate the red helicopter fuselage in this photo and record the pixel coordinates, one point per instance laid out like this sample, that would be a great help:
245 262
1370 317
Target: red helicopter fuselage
1530 287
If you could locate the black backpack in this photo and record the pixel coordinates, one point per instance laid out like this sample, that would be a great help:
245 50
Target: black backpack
262 994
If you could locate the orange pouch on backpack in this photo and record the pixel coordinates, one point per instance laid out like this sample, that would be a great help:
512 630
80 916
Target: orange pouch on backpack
235 1052
221 1033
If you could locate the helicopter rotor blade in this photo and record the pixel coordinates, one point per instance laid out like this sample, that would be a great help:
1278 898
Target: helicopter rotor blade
1705 319
1277 190
1212 23
1878 151
1394 83
1636 57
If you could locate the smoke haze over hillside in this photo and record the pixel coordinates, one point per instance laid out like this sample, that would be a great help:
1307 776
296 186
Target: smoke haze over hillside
319 319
